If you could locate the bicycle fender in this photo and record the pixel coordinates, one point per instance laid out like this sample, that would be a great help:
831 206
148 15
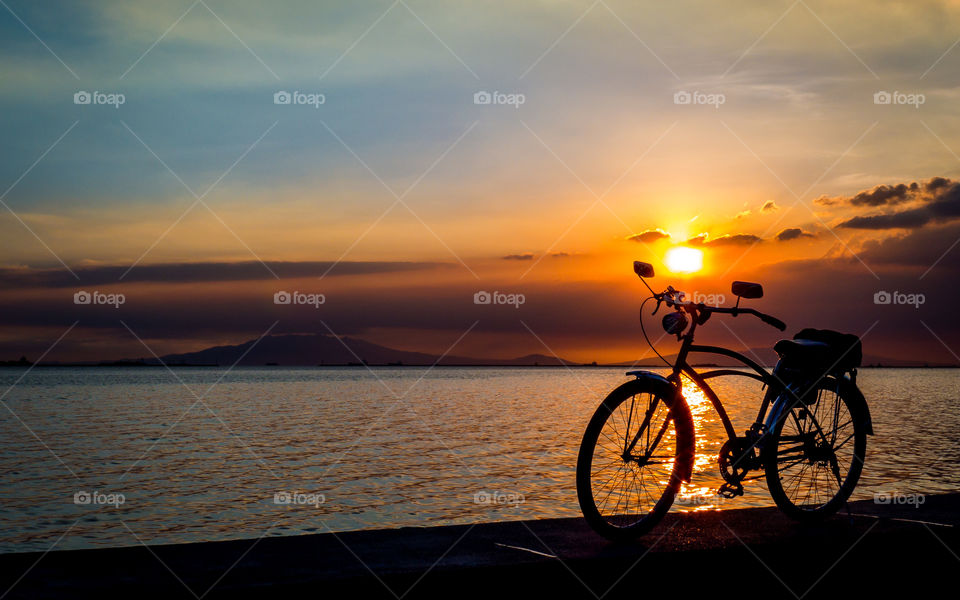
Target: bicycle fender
858 404
681 414
650 376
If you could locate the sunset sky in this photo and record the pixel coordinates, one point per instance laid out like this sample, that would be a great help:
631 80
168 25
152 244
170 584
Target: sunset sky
399 197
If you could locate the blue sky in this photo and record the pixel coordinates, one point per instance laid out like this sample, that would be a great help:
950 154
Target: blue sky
199 97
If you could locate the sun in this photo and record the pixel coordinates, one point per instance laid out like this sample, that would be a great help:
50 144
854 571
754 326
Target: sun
682 259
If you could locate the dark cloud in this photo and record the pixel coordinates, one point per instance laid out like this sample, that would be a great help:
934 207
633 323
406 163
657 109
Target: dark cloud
199 272
941 205
885 194
769 206
832 293
560 255
939 197
648 236
938 183
919 248
174 320
525 256
816 293
908 219
891 195
839 294
792 233
736 239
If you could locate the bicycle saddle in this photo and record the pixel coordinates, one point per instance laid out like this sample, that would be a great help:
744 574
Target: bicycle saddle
821 348
805 353
801 348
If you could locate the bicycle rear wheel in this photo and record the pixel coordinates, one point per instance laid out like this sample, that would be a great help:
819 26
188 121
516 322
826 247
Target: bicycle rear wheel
634 454
814 455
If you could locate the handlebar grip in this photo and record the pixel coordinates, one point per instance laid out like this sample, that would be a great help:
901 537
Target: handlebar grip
773 321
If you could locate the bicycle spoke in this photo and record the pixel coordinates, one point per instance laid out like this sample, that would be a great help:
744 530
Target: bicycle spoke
629 419
605 498
645 426
785 467
606 466
843 443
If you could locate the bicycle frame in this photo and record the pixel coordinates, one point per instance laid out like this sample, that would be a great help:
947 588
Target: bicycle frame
772 382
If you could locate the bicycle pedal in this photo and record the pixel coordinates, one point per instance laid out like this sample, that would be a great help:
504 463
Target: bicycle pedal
730 491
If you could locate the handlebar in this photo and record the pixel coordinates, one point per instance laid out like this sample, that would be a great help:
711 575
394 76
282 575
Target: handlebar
768 319
772 321
674 298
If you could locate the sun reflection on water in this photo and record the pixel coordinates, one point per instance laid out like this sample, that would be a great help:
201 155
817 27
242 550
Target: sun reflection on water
694 497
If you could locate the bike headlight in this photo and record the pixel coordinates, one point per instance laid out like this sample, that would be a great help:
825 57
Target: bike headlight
674 323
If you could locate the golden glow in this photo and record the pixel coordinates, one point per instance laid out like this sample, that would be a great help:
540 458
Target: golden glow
684 260
694 396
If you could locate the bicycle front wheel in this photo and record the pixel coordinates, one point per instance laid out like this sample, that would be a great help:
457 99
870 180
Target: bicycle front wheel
814 454
633 456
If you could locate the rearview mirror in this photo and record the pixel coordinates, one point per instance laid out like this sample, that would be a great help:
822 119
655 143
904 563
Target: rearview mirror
745 289
642 269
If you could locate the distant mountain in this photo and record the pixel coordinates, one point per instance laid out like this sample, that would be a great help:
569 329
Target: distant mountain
323 349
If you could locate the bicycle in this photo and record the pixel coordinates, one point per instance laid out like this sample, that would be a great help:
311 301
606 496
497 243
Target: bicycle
809 437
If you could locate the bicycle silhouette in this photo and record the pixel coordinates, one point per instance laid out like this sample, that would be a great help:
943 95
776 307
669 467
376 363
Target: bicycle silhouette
809 437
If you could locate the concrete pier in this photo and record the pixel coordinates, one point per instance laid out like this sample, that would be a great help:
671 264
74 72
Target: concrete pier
757 552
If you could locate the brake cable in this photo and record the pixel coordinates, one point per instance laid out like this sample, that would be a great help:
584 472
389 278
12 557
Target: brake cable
665 361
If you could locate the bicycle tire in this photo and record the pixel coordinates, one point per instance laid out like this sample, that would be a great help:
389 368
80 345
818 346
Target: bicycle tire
677 440
811 454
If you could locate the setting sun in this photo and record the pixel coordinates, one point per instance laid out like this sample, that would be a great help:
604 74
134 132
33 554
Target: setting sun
684 260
